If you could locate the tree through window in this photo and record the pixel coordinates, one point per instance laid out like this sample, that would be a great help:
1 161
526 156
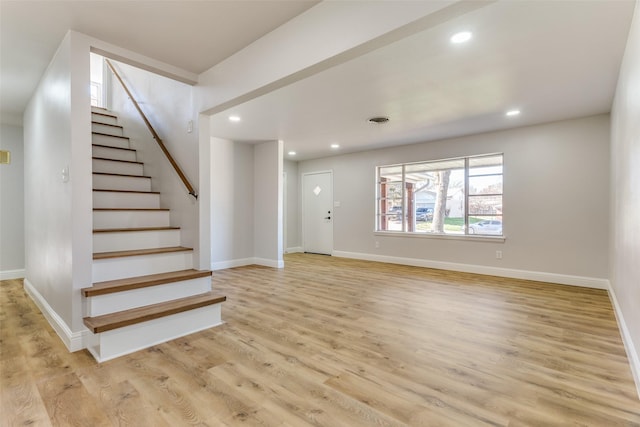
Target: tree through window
452 196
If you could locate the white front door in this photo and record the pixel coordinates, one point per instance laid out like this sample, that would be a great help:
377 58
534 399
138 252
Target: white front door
317 212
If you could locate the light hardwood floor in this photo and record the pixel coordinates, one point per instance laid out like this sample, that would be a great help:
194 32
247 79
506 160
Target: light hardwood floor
336 342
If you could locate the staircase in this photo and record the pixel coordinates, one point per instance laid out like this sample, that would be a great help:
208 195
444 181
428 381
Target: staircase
145 290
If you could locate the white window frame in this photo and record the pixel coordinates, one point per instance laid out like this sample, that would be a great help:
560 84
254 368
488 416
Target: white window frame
463 236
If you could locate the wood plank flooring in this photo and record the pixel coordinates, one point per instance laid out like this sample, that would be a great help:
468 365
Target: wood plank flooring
335 342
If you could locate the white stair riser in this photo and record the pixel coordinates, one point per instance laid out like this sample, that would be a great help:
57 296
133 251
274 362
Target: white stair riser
109 130
106 199
130 219
108 166
113 153
120 301
118 342
142 265
131 240
101 118
110 141
126 183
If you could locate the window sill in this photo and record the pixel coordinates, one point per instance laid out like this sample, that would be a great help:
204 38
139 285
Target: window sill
473 238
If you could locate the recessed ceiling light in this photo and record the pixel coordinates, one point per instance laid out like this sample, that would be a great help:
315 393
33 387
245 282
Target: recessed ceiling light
461 37
335 145
378 120
291 153
512 113
234 118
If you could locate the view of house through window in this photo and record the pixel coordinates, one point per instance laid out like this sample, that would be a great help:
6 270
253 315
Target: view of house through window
452 196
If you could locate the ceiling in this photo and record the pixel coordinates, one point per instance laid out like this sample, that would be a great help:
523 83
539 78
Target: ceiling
552 60
192 35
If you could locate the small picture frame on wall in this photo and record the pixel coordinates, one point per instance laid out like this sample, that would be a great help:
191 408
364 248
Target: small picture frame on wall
5 157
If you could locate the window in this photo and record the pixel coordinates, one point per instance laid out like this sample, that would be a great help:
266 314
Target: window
454 196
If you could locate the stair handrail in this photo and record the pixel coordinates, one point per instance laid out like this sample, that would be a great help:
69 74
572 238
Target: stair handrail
155 135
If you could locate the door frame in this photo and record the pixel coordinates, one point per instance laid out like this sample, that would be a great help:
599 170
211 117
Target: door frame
303 216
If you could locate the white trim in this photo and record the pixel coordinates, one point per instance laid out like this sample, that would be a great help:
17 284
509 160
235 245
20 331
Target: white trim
221 265
74 341
632 351
12 274
273 263
423 235
541 276
293 250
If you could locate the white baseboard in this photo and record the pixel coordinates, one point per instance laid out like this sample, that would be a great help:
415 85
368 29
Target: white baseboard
221 265
563 279
11 274
293 250
273 263
631 349
74 341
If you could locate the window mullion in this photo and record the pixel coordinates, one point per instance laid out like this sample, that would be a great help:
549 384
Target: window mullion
404 200
466 195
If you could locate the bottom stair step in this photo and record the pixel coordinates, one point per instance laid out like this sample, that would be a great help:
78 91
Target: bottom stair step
121 319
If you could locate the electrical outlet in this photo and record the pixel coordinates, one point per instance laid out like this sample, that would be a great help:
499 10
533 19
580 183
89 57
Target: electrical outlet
377 244
499 254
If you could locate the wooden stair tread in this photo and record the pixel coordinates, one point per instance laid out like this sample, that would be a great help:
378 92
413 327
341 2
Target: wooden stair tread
116 160
126 191
138 252
121 319
125 230
106 134
129 283
104 114
105 124
112 148
121 174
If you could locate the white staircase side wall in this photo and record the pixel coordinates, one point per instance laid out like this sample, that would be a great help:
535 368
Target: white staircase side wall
123 168
111 199
107 129
121 182
130 219
141 265
134 298
119 342
110 141
103 118
113 153
130 240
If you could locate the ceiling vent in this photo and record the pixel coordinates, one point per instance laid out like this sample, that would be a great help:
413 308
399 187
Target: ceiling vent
378 120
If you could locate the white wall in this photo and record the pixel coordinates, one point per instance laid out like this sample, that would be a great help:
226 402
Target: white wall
168 107
555 204
57 213
292 214
246 204
232 203
12 204
624 250
268 208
